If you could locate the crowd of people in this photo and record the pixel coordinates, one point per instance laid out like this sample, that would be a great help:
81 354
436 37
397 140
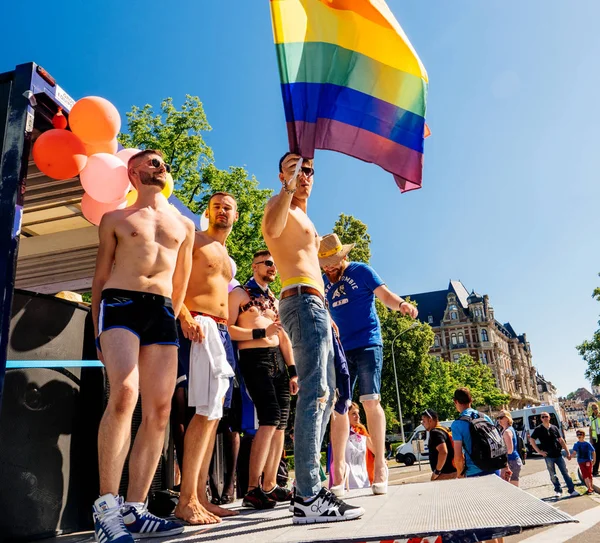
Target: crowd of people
170 328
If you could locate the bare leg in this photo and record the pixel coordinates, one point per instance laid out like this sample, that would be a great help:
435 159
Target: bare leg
376 425
120 352
203 476
158 372
272 465
339 432
259 454
197 449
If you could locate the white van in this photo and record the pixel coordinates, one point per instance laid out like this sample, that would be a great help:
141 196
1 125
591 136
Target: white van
405 453
525 420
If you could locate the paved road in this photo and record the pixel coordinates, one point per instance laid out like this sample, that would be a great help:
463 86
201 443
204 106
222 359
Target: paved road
536 481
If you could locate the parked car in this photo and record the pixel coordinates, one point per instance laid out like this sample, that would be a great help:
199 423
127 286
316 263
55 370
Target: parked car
405 453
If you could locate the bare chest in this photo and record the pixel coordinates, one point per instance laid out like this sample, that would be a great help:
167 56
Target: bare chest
301 227
213 260
143 229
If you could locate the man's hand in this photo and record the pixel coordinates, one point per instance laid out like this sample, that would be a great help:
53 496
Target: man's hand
191 329
569 456
294 386
543 453
288 169
273 329
336 330
406 308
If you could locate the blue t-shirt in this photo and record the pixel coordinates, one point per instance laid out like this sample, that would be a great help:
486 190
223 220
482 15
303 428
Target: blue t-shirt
584 450
461 432
352 306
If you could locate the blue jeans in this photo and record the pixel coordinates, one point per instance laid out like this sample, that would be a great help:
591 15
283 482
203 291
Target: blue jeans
551 464
307 322
365 365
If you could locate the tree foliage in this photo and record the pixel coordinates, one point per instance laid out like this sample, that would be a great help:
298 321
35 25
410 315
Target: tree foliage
179 135
351 230
590 350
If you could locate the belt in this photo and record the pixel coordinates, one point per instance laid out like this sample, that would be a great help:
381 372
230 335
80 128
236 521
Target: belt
301 289
221 322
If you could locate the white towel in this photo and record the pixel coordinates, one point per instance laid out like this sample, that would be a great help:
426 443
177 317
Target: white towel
209 371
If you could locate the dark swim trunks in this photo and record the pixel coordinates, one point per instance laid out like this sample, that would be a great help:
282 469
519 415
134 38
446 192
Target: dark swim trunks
149 316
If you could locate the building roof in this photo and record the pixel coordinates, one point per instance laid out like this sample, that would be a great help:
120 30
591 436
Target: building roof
434 303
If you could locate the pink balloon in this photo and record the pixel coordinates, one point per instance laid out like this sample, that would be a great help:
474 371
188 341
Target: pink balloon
93 210
126 154
105 178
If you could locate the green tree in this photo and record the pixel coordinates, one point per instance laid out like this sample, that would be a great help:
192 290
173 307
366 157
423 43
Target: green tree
351 230
590 351
179 135
480 380
441 385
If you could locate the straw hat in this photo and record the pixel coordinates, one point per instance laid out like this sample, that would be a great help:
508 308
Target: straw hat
71 296
331 250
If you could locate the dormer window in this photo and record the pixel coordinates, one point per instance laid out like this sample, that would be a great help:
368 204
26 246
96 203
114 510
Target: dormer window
453 307
436 341
477 313
453 315
453 338
430 319
461 337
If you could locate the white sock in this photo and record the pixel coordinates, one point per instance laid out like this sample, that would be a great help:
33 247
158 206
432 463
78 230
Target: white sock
139 506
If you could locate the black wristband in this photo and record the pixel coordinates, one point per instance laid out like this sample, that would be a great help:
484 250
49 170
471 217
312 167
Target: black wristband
259 333
437 471
292 371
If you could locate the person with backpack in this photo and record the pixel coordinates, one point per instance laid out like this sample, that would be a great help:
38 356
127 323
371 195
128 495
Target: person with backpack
511 441
441 448
478 447
550 446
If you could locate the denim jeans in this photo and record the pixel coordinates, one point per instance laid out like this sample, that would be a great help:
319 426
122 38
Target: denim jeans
307 322
365 366
551 464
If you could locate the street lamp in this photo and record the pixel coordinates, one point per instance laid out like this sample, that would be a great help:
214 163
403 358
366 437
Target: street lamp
412 326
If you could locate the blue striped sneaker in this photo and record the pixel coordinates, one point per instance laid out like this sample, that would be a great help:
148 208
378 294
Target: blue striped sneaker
141 523
108 520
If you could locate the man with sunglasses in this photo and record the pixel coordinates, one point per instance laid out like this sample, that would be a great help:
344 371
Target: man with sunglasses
142 271
203 320
294 243
550 447
265 360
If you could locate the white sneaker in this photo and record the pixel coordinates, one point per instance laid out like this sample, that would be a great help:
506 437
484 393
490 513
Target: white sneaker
557 494
324 507
574 494
109 526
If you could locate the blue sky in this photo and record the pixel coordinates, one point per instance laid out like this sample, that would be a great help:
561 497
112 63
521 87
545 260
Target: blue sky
510 192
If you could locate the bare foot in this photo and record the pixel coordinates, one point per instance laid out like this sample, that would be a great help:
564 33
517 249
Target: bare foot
219 511
194 513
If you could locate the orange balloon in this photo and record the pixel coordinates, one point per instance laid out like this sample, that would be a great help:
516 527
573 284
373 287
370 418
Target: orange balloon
59 154
131 197
109 147
95 120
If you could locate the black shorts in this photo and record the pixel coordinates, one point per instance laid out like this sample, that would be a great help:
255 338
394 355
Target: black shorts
149 316
266 379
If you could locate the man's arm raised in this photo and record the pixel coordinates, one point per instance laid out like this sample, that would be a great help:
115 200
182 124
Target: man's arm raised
276 212
183 267
104 263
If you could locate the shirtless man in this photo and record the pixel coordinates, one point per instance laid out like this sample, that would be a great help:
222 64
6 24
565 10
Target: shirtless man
205 308
142 271
265 359
293 241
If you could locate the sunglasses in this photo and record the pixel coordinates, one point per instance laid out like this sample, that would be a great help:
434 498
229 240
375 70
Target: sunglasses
308 171
580 435
157 164
500 418
267 263
545 417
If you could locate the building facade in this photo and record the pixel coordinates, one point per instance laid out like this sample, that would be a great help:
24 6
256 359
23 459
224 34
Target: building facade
547 394
465 324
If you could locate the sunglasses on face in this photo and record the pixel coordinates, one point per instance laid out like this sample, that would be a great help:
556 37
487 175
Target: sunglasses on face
267 263
155 163
499 418
308 171
545 417
580 435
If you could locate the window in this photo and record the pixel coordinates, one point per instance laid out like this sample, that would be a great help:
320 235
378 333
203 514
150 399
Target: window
484 358
453 307
461 338
456 357
436 341
453 336
430 319
453 315
484 335
477 313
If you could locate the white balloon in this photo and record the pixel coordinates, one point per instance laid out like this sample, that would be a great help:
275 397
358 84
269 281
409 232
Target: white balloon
232 284
233 266
204 223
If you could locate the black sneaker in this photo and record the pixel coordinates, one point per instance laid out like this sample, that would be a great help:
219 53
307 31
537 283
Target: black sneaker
324 507
280 494
257 499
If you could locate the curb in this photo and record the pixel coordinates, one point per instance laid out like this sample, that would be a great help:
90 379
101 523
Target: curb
596 484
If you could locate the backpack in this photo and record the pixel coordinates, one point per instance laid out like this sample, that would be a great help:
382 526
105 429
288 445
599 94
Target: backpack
521 449
448 433
488 450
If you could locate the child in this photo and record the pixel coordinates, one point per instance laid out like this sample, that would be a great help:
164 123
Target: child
586 456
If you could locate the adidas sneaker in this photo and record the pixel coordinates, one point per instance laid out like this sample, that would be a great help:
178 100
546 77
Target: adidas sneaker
108 520
142 524
324 507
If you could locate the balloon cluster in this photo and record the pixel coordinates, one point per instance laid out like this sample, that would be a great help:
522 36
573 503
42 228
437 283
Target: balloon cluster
89 150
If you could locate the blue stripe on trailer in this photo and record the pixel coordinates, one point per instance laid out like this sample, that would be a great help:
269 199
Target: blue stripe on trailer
17 364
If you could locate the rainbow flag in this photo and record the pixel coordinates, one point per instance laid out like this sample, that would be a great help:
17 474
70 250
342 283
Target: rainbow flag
351 82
